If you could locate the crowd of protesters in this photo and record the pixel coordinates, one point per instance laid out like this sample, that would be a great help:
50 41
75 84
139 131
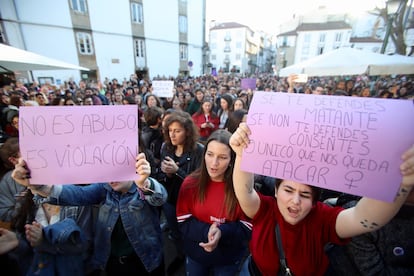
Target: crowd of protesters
179 136
189 93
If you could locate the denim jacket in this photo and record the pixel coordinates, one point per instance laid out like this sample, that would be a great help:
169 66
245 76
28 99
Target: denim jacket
138 213
65 246
61 252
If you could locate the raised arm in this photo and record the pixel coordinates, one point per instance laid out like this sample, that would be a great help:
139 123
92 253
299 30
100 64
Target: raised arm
243 181
154 192
291 82
21 173
370 214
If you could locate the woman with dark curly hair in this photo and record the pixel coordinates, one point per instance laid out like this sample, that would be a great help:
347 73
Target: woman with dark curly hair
181 154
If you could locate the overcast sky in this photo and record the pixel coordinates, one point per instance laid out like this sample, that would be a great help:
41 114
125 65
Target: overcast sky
267 15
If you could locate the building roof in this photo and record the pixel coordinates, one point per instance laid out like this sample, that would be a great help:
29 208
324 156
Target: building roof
364 39
290 33
228 25
333 25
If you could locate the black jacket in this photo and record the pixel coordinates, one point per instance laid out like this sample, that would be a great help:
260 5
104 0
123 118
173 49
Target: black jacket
187 163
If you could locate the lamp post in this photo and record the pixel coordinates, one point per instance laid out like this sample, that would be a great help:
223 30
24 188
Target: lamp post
206 57
227 64
392 7
207 60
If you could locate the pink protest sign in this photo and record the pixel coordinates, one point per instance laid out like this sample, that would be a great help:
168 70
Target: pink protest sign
347 144
79 144
248 84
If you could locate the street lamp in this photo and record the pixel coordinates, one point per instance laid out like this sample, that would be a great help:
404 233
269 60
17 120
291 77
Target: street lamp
282 60
206 58
392 7
227 64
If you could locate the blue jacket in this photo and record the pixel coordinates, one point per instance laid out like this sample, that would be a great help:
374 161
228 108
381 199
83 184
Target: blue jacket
61 251
65 246
139 217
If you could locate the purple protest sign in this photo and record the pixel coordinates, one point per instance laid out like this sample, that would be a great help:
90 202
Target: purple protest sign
347 144
248 84
79 144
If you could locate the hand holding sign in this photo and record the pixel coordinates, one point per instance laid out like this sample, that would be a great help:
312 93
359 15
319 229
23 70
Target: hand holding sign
407 167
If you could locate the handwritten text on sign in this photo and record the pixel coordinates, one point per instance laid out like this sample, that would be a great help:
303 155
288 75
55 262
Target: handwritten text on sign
79 144
163 89
348 144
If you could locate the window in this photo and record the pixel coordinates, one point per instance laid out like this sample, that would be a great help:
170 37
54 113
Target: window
305 50
320 50
227 47
140 48
183 24
284 41
137 13
322 38
2 38
213 57
84 43
238 45
183 52
338 37
307 38
45 80
238 56
79 5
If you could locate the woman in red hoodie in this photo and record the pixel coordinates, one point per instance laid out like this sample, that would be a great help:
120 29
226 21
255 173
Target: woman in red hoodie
205 119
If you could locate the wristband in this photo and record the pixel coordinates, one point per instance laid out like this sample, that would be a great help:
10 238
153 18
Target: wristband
149 188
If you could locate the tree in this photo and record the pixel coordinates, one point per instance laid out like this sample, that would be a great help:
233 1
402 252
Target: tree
396 24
